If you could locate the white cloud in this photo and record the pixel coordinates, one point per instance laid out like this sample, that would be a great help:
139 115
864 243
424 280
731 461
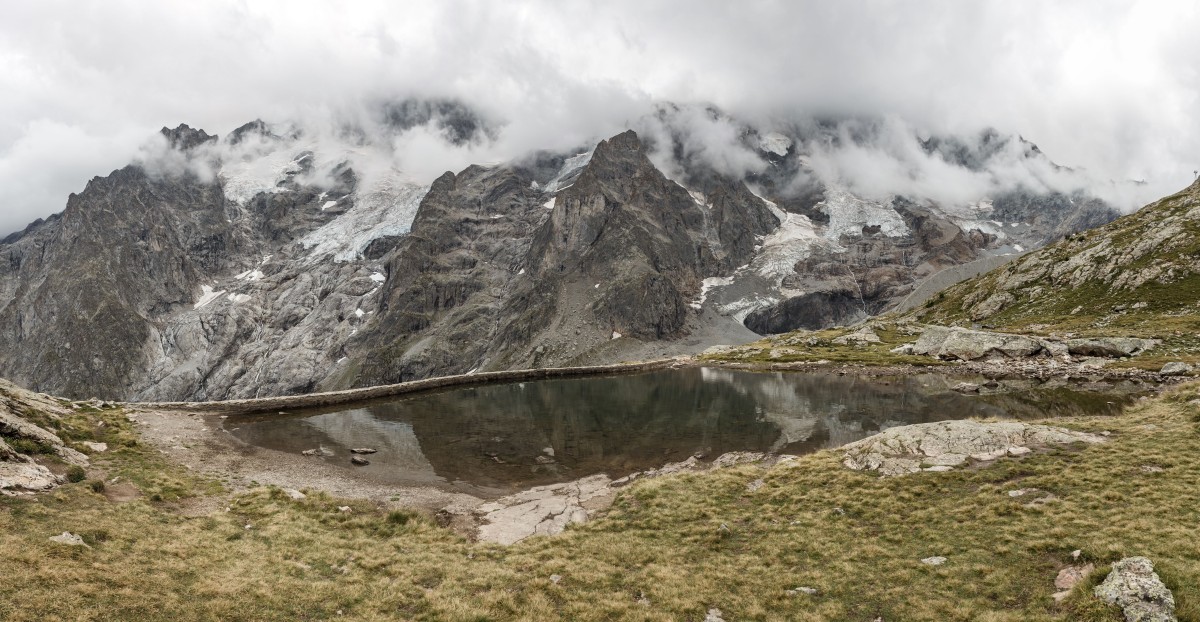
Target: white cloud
1107 85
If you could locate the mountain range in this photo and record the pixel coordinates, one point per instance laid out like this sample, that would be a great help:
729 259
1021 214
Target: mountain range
268 262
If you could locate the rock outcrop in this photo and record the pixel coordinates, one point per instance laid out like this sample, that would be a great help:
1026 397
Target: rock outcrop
943 445
19 472
973 345
1137 590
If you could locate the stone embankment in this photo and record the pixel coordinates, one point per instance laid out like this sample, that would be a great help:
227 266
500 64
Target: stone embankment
334 398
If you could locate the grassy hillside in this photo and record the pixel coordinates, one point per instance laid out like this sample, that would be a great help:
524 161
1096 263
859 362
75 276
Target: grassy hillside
1138 275
172 546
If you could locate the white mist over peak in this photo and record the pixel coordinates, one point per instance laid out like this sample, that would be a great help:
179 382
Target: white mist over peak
1101 88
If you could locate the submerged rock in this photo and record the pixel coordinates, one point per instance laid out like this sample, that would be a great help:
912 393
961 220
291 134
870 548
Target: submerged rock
1135 587
935 446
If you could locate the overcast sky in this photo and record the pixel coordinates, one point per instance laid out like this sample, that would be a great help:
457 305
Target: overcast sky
1107 85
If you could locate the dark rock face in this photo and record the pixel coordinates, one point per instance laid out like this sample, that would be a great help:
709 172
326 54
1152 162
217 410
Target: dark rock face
489 278
185 138
79 293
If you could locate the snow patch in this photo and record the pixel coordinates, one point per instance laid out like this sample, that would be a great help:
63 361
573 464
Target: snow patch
775 143
848 215
386 211
699 198
616 335
707 285
792 241
239 298
250 275
328 204
259 171
739 309
208 295
566 175
378 278
549 204
359 313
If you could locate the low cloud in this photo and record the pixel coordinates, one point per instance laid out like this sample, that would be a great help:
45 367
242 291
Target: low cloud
1104 86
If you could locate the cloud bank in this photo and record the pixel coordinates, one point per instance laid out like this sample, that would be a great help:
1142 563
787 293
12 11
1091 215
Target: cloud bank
1107 87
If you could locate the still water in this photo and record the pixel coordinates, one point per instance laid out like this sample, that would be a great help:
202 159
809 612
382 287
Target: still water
495 439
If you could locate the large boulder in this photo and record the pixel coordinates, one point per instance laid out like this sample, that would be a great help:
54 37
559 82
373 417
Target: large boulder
1135 587
971 345
943 445
1110 346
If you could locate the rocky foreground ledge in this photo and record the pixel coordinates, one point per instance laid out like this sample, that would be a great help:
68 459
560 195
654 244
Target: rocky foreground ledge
19 472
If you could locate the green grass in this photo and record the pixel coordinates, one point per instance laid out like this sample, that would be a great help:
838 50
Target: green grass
669 549
810 347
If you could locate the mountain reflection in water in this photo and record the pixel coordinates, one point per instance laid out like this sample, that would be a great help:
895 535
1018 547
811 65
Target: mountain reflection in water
493 439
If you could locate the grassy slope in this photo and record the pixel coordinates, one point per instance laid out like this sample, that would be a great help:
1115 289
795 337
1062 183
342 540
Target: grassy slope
1048 305
854 536
810 347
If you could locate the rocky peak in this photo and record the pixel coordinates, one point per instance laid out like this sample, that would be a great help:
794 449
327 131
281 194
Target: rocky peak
185 137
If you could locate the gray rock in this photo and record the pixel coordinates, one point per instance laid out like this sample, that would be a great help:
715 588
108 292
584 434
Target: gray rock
862 335
1136 588
363 450
971 345
911 448
936 560
359 460
294 495
714 615
1111 347
1176 368
69 539
966 387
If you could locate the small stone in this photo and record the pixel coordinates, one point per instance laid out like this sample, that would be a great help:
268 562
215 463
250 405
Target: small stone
1076 553
96 447
1150 468
343 508
1070 576
309 452
936 560
755 485
363 450
1018 451
543 460
359 461
811 591
938 468
1021 491
549 451
966 387
555 578
69 539
295 495
714 615
1060 596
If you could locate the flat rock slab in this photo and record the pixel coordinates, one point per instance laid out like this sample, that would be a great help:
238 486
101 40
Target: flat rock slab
547 510
544 510
943 445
